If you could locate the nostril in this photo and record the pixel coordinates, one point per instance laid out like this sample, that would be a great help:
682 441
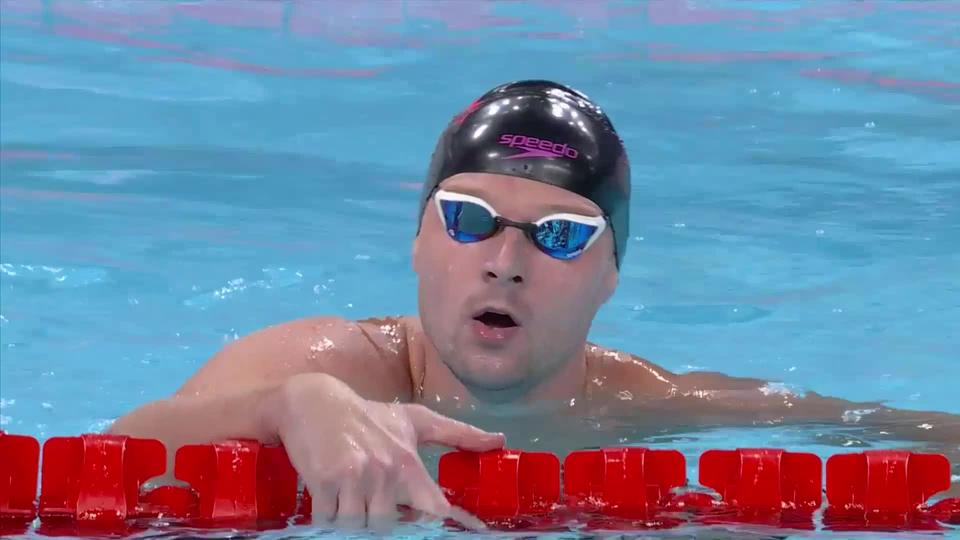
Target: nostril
517 279
491 275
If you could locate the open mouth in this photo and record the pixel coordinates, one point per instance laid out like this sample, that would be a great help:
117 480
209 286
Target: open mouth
496 319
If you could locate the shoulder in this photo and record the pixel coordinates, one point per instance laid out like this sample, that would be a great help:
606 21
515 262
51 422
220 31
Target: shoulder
370 355
613 373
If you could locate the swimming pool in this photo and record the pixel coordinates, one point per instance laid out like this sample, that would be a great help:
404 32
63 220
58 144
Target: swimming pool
175 175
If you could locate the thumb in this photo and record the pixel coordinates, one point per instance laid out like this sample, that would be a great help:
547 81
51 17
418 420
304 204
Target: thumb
432 427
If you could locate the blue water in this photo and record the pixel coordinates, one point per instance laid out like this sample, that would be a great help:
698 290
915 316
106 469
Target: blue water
176 175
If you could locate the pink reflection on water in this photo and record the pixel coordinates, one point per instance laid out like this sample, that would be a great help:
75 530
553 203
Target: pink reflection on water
342 16
122 16
222 62
737 56
29 7
104 36
673 12
943 89
943 6
375 39
6 154
666 52
247 14
21 23
941 40
687 12
26 58
590 14
69 196
546 36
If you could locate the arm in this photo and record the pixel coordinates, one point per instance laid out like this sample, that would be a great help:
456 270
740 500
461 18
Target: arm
223 398
754 402
701 399
760 402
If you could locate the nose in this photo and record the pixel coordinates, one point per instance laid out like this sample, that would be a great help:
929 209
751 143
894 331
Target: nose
507 264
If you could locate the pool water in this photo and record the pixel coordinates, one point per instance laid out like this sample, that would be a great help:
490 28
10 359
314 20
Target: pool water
178 174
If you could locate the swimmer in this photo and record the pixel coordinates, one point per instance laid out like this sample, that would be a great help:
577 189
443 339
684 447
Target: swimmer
524 221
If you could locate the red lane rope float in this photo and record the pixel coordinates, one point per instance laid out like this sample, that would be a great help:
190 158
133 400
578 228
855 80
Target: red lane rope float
98 481
19 463
885 489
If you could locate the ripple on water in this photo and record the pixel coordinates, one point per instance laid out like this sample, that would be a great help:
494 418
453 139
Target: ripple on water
54 276
699 314
274 278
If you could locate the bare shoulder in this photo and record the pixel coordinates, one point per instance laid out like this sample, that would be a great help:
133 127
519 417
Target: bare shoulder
617 373
369 355
635 372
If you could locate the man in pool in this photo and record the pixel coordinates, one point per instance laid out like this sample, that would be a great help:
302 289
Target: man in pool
524 221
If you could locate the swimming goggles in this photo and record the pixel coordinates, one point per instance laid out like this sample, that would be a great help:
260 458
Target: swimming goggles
562 236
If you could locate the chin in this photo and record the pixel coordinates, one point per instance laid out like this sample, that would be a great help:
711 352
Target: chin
490 373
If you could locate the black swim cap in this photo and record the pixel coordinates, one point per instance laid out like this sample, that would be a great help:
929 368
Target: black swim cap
543 131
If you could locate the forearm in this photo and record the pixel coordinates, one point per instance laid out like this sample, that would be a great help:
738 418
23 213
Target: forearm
200 419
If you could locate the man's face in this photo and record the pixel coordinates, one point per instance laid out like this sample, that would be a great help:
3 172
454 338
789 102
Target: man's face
502 314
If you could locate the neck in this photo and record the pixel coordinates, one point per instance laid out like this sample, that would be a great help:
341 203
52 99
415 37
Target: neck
442 389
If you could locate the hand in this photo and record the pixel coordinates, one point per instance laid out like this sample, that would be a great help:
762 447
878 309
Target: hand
359 458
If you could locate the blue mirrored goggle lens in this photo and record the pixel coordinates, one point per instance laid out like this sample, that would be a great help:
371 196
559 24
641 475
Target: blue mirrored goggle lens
559 238
467 222
563 239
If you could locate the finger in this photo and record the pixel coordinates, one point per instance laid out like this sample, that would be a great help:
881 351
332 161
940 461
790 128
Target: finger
382 503
323 506
425 495
432 427
351 506
382 511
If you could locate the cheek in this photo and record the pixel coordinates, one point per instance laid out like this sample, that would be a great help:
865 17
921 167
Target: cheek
568 299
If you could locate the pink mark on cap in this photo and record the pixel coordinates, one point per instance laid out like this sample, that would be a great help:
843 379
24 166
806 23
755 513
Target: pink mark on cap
412 186
104 36
466 112
221 62
7 154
